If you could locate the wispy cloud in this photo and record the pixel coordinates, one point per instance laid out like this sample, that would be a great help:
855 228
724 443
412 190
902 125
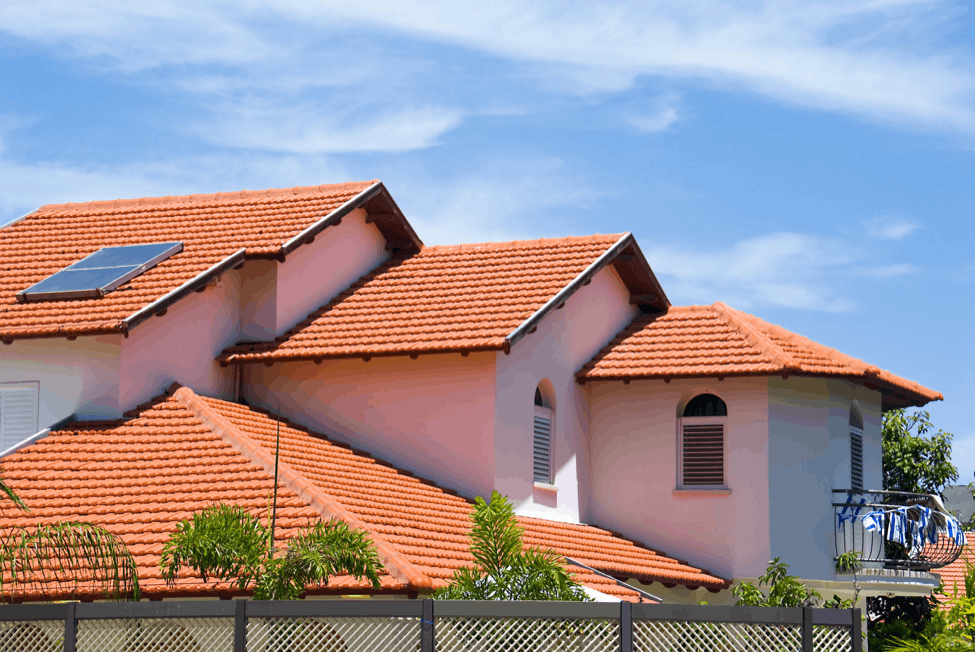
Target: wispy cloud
880 59
662 117
886 228
783 269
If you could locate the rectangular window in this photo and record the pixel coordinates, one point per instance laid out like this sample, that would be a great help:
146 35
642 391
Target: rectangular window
18 412
702 453
543 445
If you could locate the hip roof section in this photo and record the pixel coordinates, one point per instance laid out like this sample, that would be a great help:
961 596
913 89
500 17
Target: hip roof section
211 227
139 476
464 298
717 340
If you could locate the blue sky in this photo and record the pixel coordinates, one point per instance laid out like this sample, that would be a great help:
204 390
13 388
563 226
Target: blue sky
812 163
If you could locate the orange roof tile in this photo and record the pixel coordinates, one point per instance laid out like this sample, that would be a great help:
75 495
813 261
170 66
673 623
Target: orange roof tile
717 340
456 298
211 227
139 476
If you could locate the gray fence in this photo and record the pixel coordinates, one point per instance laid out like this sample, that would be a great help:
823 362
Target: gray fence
425 625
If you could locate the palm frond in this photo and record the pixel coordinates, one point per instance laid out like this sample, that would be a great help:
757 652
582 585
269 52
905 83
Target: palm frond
11 495
68 558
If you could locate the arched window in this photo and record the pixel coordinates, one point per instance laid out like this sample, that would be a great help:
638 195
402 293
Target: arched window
701 446
856 449
542 440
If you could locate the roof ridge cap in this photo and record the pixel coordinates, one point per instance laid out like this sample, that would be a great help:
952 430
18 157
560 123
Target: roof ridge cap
502 244
195 198
756 339
326 506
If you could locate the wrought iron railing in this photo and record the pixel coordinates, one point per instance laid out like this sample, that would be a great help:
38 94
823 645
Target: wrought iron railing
896 530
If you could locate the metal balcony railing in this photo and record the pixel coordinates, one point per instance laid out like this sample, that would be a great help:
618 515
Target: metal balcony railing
896 530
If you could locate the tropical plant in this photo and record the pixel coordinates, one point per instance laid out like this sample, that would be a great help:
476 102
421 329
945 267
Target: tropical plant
784 591
505 570
64 559
846 563
228 543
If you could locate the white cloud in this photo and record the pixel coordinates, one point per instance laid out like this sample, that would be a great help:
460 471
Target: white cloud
889 228
786 269
880 59
894 270
663 117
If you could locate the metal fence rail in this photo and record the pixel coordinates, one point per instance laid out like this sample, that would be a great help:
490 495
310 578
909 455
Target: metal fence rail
425 625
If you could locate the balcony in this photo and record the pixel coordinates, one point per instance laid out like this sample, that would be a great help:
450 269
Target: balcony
898 531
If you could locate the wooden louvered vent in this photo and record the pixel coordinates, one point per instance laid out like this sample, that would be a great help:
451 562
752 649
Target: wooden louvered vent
543 445
856 458
18 414
702 455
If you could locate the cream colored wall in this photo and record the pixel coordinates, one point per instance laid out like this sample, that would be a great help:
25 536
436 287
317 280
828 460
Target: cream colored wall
433 416
75 376
565 340
634 467
809 447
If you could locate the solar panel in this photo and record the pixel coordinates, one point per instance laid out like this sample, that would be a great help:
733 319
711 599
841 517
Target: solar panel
99 273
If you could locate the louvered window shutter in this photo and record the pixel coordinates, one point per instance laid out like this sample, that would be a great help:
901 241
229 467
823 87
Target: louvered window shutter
18 413
856 458
543 445
702 455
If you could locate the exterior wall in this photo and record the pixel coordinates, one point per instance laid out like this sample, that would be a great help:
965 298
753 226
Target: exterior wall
182 345
809 455
634 464
313 274
564 341
75 376
433 416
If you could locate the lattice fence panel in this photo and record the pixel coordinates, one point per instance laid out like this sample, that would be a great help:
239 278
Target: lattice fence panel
832 638
333 634
176 634
487 634
694 636
39 635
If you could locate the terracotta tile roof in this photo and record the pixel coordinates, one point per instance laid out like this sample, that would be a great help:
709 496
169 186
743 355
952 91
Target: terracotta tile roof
459 298
139 476
953 575
717 340
211 227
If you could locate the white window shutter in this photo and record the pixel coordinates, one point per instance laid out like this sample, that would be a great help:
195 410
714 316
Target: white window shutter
542 463
18 413
702 452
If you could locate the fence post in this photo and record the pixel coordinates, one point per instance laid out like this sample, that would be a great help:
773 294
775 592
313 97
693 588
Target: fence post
71 628
427 633
807 629
240 625
626 626
857 634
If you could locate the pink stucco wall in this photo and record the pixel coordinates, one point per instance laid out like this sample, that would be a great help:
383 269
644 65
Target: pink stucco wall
564 341
634 467
433 415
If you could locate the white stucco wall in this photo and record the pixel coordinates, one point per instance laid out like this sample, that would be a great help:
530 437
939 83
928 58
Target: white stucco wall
809 455
313 274
634 467
565 340
182 345
433 416
75 376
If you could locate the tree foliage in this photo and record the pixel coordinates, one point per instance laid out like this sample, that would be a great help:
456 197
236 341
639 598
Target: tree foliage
916 459
228 543
505 570
72 558
784 591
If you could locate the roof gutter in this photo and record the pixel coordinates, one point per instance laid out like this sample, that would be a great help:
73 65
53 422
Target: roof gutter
560 298
198 282
646 595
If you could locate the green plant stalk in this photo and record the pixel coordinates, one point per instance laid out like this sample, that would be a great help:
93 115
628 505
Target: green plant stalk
274 504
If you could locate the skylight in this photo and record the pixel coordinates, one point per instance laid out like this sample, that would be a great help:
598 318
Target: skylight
99 273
